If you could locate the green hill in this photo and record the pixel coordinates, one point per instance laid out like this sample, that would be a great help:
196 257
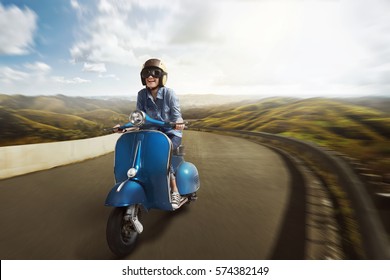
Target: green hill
64 121
358 131
37 119
106 117
17 129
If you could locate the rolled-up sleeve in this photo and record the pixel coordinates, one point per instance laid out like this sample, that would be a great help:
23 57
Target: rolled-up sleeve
175 107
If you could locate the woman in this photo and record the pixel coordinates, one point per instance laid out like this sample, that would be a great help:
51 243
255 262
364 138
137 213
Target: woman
161 103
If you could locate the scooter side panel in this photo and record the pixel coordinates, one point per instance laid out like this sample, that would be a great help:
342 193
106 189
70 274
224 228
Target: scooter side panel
155 149
125 194
124 155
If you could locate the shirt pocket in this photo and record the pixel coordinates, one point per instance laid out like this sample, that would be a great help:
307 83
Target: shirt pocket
150 111
167 110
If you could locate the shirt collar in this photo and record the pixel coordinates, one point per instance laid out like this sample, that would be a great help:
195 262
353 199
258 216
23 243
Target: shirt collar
159 93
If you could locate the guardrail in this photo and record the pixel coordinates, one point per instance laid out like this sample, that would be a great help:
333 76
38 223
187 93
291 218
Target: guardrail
375 242
22 159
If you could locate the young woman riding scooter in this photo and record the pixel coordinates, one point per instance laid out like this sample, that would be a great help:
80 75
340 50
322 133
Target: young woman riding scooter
161 103
149 162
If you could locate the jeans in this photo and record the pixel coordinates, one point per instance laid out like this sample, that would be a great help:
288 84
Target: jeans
176 142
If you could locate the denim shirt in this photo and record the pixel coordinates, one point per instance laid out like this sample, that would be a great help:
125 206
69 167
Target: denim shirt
166 107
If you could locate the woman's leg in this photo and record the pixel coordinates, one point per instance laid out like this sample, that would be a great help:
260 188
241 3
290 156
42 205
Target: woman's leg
176 142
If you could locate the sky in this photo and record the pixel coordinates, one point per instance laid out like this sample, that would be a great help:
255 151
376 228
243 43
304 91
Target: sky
233 47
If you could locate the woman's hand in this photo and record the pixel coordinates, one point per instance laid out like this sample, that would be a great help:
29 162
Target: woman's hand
180 126
116 129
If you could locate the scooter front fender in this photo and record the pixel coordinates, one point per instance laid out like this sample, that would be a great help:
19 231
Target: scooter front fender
126 193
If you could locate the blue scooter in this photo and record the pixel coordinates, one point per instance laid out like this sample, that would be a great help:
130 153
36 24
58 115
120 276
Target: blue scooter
142 159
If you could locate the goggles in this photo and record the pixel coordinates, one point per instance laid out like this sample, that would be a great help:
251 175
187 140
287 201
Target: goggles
154 72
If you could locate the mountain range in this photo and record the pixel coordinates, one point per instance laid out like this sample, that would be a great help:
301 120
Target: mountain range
359 127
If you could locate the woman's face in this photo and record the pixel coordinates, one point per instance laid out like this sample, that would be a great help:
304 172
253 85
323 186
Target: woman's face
152 82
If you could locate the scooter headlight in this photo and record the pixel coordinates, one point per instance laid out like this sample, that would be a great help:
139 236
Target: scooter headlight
131 172
137 118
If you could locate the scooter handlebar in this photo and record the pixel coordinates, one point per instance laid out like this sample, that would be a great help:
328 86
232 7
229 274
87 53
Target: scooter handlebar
121 128
145 122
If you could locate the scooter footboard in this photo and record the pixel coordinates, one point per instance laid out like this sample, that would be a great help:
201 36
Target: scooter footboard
125 194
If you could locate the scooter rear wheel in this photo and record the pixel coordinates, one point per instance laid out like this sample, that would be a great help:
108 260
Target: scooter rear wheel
120 233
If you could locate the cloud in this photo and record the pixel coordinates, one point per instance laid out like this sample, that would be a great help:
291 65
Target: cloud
106 38
63 80
17 27
370 28
35 74
38 66
195 23
99 68
123 32
236 46
75 4
304 45
95 67
30 73
9 75
127 33
109 76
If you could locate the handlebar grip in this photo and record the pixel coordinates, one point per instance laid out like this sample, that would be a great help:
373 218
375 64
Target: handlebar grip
112 129
173 124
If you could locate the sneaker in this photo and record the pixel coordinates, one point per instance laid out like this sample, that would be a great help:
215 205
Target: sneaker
176 198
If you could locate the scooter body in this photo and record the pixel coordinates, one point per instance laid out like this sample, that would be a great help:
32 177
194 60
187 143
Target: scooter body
149 153
141 169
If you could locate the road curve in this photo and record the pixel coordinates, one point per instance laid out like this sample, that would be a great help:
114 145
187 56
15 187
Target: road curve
240 214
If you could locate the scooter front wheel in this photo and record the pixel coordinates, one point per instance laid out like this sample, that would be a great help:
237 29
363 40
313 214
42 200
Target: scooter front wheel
120 233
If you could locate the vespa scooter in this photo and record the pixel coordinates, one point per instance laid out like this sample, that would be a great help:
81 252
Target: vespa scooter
141 168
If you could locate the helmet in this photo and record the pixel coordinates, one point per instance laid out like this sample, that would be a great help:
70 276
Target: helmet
155 63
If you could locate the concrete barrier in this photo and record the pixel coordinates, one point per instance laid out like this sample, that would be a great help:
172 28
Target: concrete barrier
22 159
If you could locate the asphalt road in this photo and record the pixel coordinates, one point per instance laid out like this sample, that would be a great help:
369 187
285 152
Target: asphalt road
247 208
